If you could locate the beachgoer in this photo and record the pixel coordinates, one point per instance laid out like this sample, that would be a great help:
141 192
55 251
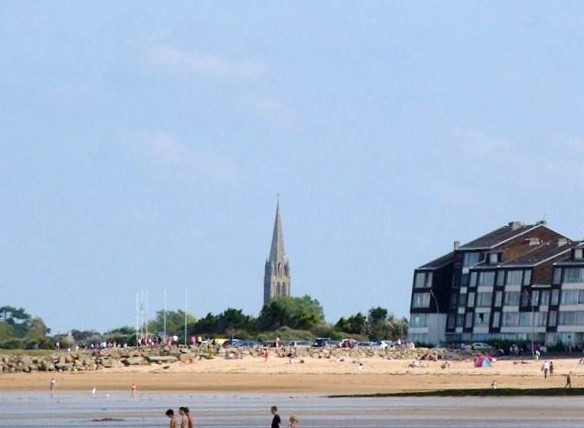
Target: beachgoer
551 369
545 368
186 420
93 391
52 386
134 388
293 422
494 385
568 381
170 414
276 421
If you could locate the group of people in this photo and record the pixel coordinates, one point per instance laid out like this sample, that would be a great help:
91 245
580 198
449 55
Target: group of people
185 418
187 422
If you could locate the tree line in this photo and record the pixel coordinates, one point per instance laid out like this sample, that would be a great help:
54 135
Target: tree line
285 317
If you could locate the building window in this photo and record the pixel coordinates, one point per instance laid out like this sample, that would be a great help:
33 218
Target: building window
573 275
535 298
510 319
482 319
511 298
421 300
459 320
572 297
471 300
487 278
501 278
541 319
525 319
462 300
514 277
571 318
496 319
484 300
525 300
545 298
555 297
419 320
473 279
453 301
527 277
557 276
423 280
498 299
471 259
468 320
552 319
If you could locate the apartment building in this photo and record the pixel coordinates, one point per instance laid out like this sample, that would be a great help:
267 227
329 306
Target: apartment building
518 283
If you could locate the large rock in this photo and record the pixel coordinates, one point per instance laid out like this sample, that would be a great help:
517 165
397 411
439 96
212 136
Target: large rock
132 361
161 360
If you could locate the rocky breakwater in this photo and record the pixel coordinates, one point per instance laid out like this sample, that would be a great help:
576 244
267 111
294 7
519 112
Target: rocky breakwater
87 360
82 360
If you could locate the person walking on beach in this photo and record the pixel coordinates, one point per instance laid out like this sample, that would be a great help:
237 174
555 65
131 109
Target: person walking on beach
545 368
293 422
185 421
551 369
276 421
568 381
52 386
170 414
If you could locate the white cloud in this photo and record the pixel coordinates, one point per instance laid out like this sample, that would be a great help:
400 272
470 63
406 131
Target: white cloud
205 64
164 149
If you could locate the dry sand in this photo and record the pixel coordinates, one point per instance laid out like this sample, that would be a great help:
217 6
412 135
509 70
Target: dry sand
315 375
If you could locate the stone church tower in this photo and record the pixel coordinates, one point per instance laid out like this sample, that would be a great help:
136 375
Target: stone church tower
277 273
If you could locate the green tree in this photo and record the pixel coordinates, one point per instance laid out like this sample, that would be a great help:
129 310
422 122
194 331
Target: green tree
209 324
377 326
294 312
175 322
355 324
17 318
234 319
383 325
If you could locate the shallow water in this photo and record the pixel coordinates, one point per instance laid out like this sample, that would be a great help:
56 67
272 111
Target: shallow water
252 410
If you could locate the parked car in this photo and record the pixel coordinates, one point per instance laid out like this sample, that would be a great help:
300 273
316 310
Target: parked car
320 342
479 346
246 344
300 343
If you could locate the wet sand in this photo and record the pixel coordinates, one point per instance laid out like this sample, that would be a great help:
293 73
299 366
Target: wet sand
321 376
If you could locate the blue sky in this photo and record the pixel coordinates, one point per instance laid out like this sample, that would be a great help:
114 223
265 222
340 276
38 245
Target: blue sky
142 147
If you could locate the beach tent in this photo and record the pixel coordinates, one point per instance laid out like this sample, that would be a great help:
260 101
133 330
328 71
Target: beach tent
483 361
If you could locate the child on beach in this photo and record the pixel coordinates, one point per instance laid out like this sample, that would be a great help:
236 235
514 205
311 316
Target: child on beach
293 422
170 414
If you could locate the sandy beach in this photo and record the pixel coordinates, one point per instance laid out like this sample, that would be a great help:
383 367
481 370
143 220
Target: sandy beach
326 376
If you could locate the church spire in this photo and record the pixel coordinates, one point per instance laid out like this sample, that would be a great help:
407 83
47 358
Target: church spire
277 270
277 252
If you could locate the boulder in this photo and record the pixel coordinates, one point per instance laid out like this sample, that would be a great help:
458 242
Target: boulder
161 360
132 361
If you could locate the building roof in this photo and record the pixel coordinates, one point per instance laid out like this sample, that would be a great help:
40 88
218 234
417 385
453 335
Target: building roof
568 260
499 236
439 262
539 254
